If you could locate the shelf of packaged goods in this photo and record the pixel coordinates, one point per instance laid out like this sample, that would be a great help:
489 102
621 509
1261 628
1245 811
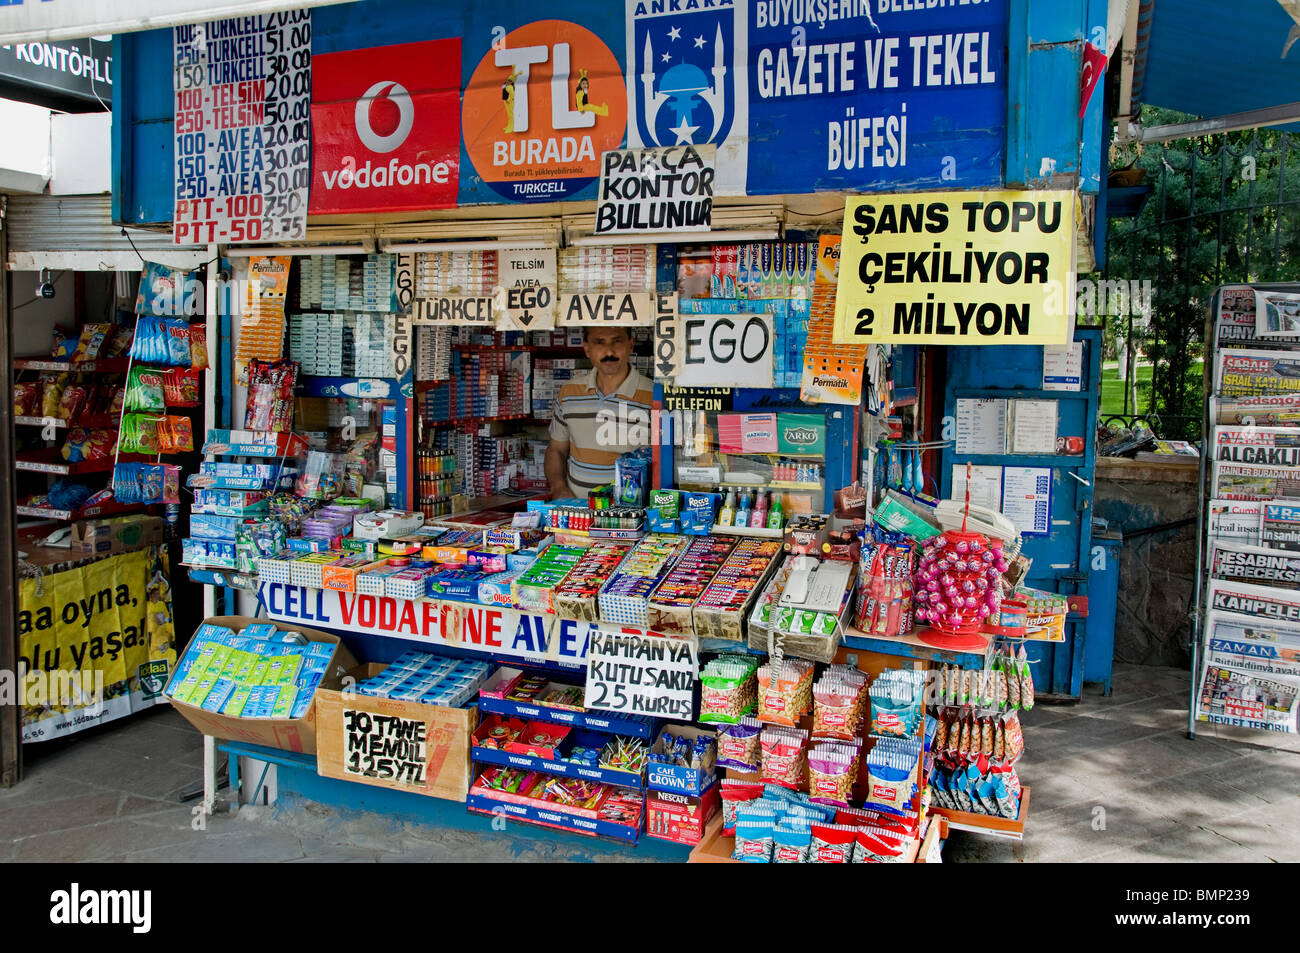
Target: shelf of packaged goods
222 577
110 508
87 421
568 769
716 848
49 461
984 823
595 721
108 365
773 485
488 348
759 532
549 817
480 420
371 388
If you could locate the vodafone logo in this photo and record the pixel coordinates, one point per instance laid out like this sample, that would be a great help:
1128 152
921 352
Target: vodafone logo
396 94
386 128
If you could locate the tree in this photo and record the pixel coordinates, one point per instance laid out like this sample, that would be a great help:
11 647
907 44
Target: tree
1225 208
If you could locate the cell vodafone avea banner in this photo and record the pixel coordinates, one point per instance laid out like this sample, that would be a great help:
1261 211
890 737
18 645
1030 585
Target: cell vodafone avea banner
385 129
498 630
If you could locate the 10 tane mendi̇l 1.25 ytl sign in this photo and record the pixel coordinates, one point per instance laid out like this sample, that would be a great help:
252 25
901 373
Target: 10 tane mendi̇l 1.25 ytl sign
993 267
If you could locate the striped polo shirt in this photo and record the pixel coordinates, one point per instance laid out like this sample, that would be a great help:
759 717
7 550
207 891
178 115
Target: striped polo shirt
598 427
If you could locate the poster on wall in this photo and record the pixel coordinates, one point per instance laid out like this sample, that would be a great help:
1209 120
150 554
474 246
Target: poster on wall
957 268
386 128
541 106
242 129
95 643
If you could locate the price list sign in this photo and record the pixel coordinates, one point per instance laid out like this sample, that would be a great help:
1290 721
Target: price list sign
243 128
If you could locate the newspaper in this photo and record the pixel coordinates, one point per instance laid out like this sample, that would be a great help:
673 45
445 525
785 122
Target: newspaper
1242 372
1234 319
1267 603
1277 313
1236 520
1233 562
1279 524
1260 446
1262 410
1230 696
1249 645
1242 481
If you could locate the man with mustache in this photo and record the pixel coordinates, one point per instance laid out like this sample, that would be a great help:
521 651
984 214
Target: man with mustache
598 415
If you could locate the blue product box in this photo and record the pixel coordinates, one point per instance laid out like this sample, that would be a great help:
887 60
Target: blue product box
657 524
203 526
675 777
458 584
259 630
307 544
495 589
698 512
222 689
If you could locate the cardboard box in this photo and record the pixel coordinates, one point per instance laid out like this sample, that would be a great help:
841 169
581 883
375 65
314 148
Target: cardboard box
116 535
681 818
290 734
443 733
677 779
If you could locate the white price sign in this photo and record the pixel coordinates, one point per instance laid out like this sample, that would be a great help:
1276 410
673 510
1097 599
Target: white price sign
641 674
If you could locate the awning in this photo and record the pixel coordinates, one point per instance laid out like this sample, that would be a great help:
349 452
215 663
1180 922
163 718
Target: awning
71 19
1235 63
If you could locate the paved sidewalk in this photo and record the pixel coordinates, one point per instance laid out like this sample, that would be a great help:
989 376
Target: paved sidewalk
1113 779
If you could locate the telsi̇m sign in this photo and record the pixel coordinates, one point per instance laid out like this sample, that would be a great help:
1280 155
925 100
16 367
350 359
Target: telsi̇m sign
385 135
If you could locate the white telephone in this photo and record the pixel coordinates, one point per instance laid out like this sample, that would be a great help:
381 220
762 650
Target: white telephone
981 520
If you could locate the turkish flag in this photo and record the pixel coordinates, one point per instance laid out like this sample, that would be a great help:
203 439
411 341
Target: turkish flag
1094 68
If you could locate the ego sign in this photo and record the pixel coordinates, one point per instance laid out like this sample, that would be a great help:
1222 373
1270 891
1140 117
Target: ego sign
736 349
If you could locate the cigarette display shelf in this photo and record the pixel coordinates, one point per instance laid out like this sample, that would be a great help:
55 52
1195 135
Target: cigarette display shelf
568 769
478 804
368 388
606 723
459 421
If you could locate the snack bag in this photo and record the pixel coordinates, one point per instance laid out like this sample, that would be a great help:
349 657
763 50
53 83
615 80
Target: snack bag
734 794
72 402
178 342
198 346
144 390
139 434
92 340
832 844
175 435
1026 682
52 394
754 829
791 840
27 399
181 387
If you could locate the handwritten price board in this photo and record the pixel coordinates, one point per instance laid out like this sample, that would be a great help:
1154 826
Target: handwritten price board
242 129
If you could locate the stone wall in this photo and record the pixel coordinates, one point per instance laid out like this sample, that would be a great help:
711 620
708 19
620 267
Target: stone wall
1157 570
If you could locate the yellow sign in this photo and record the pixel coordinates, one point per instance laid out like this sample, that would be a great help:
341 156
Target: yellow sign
957 268
88 641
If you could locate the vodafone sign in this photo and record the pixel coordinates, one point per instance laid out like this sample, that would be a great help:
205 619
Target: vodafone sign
385 128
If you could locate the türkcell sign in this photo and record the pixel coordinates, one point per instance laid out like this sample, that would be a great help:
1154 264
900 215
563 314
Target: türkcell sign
957 268
641 674
734 348
666 189
242 129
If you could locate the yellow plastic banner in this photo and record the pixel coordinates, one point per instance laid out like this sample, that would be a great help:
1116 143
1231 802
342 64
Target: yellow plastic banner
957 268
98 639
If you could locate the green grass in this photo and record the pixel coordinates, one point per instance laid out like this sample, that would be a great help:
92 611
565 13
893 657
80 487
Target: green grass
1112 389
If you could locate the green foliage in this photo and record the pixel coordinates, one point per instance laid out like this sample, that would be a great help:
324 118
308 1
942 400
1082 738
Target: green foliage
1207 223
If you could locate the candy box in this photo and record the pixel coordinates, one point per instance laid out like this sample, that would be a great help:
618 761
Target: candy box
296 729
678 778
539 739
681 818
497 731
405 745
342 574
